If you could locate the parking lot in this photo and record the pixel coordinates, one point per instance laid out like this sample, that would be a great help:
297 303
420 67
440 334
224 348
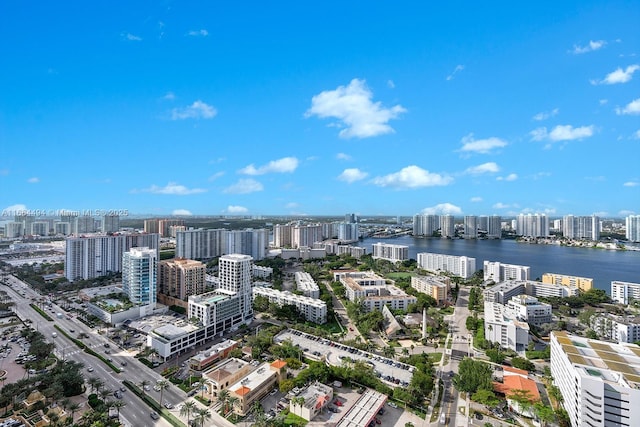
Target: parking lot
390 371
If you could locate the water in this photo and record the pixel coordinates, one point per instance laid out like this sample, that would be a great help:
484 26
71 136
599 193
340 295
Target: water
601 265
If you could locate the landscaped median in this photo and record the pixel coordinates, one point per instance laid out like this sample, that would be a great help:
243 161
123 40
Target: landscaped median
153 404
41 312
87 349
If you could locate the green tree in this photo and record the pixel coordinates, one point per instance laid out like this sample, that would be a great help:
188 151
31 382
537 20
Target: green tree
544 413
522 363
495 355
162 385
187 409
473 375
485 397
202 415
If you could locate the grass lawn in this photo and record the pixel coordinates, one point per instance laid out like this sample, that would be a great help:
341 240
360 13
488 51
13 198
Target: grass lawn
398 275
294 420
435 357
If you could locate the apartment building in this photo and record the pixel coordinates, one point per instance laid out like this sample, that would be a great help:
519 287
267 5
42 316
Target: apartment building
532 225
498 271
306 285
622 329
632 229
461 266
528 309
180 278
393 253
584 284
504 291
313 399
624 292
140 275
372 290
502 327
314 310
435 287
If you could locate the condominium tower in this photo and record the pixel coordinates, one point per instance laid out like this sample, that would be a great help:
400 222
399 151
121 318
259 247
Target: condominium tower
139 275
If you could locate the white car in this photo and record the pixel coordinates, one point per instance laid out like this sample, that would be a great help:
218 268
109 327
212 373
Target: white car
393 405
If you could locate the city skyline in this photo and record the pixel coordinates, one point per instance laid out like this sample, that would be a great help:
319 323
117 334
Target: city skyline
206 109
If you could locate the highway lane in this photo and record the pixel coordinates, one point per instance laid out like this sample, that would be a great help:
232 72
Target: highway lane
136 412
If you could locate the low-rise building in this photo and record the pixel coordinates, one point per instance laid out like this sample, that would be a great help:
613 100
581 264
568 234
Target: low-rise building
435 287
622 329
461 266
372 291
306 285
498 271
256 385
311 400
502 292
213 354
584 284
501 327
262 272
514 382
224 374
528 309
314 310
624 292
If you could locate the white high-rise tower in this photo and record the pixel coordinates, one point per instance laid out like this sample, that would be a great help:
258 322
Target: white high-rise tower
235 276
139 275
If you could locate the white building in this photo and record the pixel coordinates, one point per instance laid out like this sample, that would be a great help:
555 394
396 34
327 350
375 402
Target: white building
306 235
501 327
470 227
316 397
389 252
314 310
632 230
447 226
498 271
97 255
494 227
348 231
262 272
306 285
372 291
13 229
204 244
234 272
253 242
528 309
425 225
581 227
532 225
459 265
599 381
617 328
623 292
110 223
502 292
140 276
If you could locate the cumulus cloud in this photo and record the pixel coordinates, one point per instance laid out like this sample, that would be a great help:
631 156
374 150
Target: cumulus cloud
618 76
244 186
33 180
626 212
172 189
544 115
234 209
631 108
489 167
636 134
352 175
562 133
456 70
343 156
198 33
510 177
482 146
352 105
197 110
181 212
412 177
442 209
476 199
590 47
284 165
631 184
130 37
501 205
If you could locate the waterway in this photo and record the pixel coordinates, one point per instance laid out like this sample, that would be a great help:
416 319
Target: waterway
602 265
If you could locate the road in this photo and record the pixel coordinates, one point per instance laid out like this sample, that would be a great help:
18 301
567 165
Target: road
136 412
341 313
460 348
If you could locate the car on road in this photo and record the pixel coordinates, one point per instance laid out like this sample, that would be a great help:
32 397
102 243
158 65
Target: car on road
123 363
147 387
123 388
154 415
168 405
90 369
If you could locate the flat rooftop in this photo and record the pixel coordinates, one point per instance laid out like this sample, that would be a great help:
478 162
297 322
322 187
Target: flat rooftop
364 410
253 380
225 369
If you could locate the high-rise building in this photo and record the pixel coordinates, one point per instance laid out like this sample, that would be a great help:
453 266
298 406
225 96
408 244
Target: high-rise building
447 226
26 220
350 218
164 226
632 232
282 235
470 227
40 228
532 225
306 235
97 255
151 225
235 271
248 242
425 225
61 227
599 381
181 278
581 227
389 252
348 231
494 227
139 275
200 244
13 229
110 223
84 224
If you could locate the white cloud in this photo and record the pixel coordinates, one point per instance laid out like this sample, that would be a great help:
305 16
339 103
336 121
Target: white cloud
412 177
284 165
130 37
343 156
216 176
234 209
636 134
198 33
442 209
603 101
353 107
501 205
169 96
456 70
626 212
631 184
171 188
476 199
618 76
352 175
544 115
181 212
292 205
510 177
483 146
631 108
244 186
391 84
489 167
13 209
562 133
33 180
593 45
197 110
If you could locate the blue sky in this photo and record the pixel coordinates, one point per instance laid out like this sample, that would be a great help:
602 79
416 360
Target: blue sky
324 108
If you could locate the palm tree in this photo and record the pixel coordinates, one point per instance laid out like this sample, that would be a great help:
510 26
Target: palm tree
104 393
143 384
298 401
232 401
118 404
187 409
93 383
162 385
73 407
389 352
202 415
223 397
